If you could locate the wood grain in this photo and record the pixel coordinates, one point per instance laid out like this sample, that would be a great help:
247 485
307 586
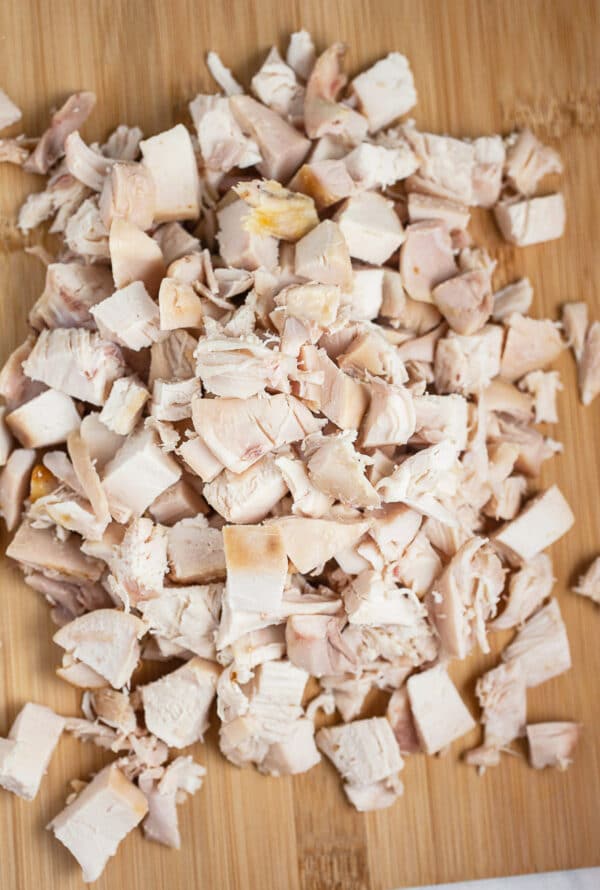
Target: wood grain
480 66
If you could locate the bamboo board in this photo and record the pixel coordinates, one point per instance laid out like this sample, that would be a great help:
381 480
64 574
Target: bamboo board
480 67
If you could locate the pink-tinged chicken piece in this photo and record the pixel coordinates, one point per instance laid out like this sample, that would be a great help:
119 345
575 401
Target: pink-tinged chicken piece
247 497
310 543
323 114
401 719
135 256
26 753
177 706
241 431
239 246
234 368
277 211
163 793
301 55
14 485
257 566
515 297
87 165
541 646
129 317
39 549
276 86
385 91
179 305
589 367
180 501
128 193
543 520
527 590
169 158
106 641
531 220
123 408
439 712
138 564
370 226
426 259
502 695
370 351
9 112
315 644
447 165
101 441
71 289
465 597
222 143
123 143
341 398
544 387
575 325
528 161
589 583
322 255
404 312
76 362
504 397
93 825
367 755
552 744
186 618
296 753
468 364
195 552
418 566
390 417
440 417
16 387
428 207
465 301
338 470
281 146
373 600
47 419
490 155
327 182
530 344
137 474
66 120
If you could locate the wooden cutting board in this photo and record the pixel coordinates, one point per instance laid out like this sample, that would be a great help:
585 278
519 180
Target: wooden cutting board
480 67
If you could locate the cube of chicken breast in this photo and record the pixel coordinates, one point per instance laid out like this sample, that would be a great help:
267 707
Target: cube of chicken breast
323 114
170 160
400 716
439 712
541 647
180 501
385 91
312 542
364 751
123 408
390 417
502 694
589 583
527 590
129 317
241 247
552 744
528 161
371 227
543 521
249 496
128 193
281 146
467 364
530 344
515 297
531 220
465 301
589 367
195 552
339 397
277 211
71 289
38 548
179 305
135 256
426 259
297 753
11 113
301 53
14 485
322 255
26 753
326 181
246 548
199 458
176 707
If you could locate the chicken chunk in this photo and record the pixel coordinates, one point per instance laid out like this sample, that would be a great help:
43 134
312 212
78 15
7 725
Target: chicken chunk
541 647
177 706
439 712
465 301
515 297
323 113
170 160
66 120
129 317
337 469
301 54
543 521
552 744
370 227
70 291
327 182
135 257
249 496
341 398
281 146
531 220
249 546
123 408
528 161
182 777
128 193
385 91
426 259
26 753
14 485
310 543
589 583
322 255
575 325
589 367
239 246
502 694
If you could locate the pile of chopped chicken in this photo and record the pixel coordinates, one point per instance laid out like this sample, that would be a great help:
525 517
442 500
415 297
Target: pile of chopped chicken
273 421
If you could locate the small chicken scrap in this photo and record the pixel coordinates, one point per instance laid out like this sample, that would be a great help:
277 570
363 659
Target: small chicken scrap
274 420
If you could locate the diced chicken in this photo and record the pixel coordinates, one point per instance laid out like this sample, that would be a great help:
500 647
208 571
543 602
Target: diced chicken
372 352
575 325
172 399
390 418
15 387
177 706
182 777
338 470
86 164
39 549
322 255
541 647
15 151
531 220
468 364
527 590
530 344
123 143
249 546
138 564
45 420
14 485
71 289
170 160
297 753
123 408
385 91
503 397
232 368
195 552
326 181
200 459
277 211
544 520
6 439
93 825
426 259
490 156
179 305
222 143
281 146
465 301
589 583
128 193
276 86
515 297
172 358
222 75
502 694
26 753
377 166
249 496
419 565
135 257
423 480
238 245
313 303
589 368
371 599
102 443
412 315
11 113
301 55
308 500
428 207
323 113
552 744
528 161
180 501
370 227
439 418
85 233
187 617
66 120
315 644
447 165
129 317
544 386
114 709
310 543
341 398
400 716
439 713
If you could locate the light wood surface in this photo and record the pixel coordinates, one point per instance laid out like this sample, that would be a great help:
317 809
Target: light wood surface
479 67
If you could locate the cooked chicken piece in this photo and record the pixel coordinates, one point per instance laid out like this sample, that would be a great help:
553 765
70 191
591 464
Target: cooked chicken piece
45 420
123 408
281 146
301 55
400 716
439 418
14 485
128 193
528 161
428 207
88 478
541 646
129 317
123 143
172 358
239 246
15 151
467 364
385 91
182 777
102 442
506 501
86 164
424 480
531 220
177 706
552 744
504 397
439 713
172 399
370 227
341 398
67 119
38 548
85 234
589 583
372 352
76 362
515 297
530 344
447 165
26 753
135 257
575 325
411 315
308 500
15 387
377 167
490 156
276 211
180 501
93 825
393 527
465 301
373 600
11 113
390 418
276 86
231 367
312 303
195 552
241 431
544 386
426 259
502 695
61 198
222 143
170 160
6 439
589 366
138 564
326 181
105 640
179 305
418 566
246 497
71 289
297 753
115 709
137 474
310 543
315 644
322 255
544 520
249 546
338 470
527 590
200 458
323 114
188 617
222 75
